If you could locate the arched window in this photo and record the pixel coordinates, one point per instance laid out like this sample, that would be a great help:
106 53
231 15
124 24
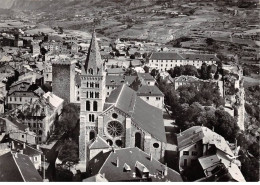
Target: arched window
40 132
89 118
92 134
87 105
95 106
87 94
93 117
138 140
87 84
97 85
96 95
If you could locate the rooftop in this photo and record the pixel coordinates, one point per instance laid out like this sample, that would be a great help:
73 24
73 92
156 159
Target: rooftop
20 168
197 133
146 116
127 164
147 90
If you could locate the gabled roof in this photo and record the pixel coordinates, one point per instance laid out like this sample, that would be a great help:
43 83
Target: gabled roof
221 158
165 56
183 78
13 121
201 57
197 133
98 143
23 94
146 116
147 90
145 76
93 60
27 150
17 168
119 80
132 158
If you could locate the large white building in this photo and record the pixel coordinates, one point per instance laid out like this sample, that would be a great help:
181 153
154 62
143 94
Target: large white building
164 61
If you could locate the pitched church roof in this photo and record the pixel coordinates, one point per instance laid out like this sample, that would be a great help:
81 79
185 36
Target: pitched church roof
146 116
93 60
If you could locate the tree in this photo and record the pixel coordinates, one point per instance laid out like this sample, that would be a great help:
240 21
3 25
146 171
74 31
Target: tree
204 72
69 120
154 72
210 41
146 69
69 153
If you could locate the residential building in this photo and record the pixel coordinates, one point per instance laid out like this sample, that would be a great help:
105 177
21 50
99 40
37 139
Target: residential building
164 61
129 164
113 82
151 95
22 148
146 79
18 168
17 98
16 130
40 115
198 143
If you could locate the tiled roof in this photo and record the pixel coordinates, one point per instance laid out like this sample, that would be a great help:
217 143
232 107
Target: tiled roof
165 56
201 57
11 120
197 133
186 79
146 116
17 169
128 160
28 150
23 94
115 70
119 80
147 90
221 158
145 76
177 56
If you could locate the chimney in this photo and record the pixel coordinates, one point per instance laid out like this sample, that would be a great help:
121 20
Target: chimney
12 145
166 170
21 151
134 174
180 133
24 146
37 147
151 157
117 162
15 155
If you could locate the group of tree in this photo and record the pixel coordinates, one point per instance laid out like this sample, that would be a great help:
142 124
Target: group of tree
199 105
205 72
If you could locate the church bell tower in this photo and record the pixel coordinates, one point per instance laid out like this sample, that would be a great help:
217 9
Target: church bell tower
92 96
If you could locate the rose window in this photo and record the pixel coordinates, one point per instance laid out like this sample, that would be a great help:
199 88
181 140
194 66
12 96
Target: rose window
114 128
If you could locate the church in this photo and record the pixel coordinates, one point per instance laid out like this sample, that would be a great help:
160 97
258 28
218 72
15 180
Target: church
123 119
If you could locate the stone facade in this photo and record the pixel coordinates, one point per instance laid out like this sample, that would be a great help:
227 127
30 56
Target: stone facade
63 75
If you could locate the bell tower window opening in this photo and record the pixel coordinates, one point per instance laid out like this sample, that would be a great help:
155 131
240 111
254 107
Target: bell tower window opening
87 105
95 106
96 95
